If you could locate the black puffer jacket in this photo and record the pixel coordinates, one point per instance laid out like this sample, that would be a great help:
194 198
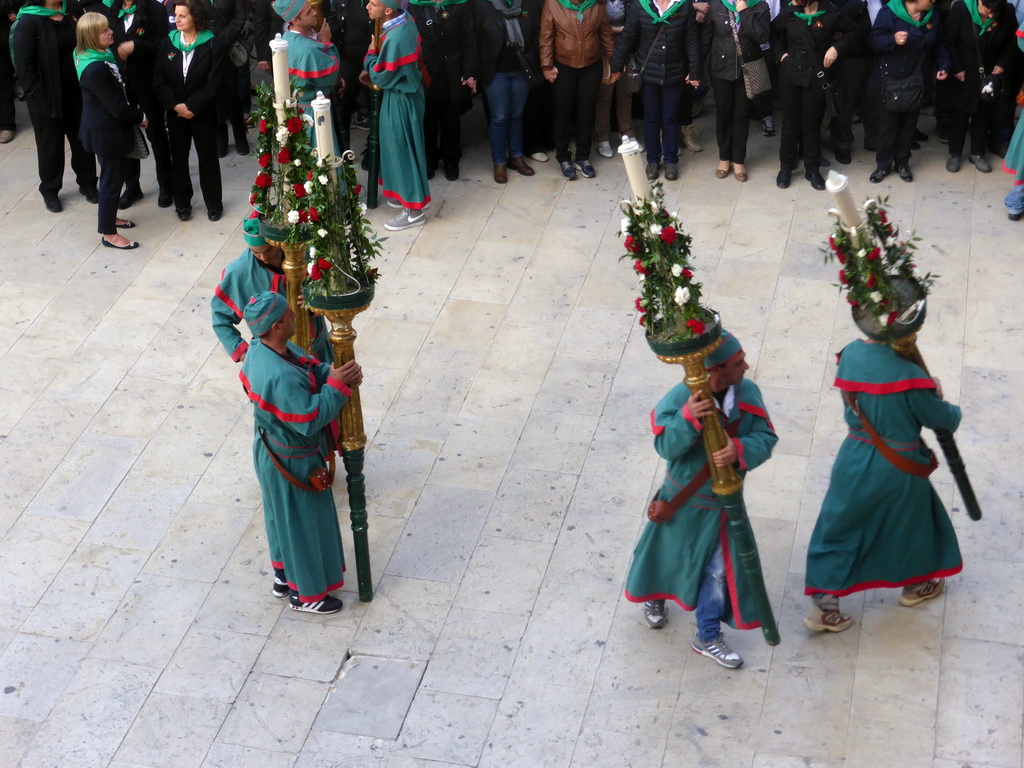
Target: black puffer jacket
754 29
676 54
448 45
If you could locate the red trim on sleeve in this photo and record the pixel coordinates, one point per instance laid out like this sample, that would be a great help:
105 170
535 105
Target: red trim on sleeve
278 283
657 429
219 293
739 453
271 408
886 388
885 584
757 412
310 75
695 422
340 386
730 578
239 351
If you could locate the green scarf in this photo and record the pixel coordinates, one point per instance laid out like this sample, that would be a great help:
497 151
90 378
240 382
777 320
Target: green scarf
732 8
972 8
201 38
83 60
900 11
125 11
40 10
441 4
657 17
809 17
578 8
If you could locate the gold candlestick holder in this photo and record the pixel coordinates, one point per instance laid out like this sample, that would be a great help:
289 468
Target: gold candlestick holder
294 266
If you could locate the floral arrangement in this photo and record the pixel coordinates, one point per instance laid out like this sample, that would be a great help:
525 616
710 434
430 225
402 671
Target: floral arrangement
669 301
297 190
873 260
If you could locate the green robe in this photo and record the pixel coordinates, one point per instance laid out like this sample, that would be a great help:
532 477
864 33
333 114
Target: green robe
395 69
242 279
293 403
669 557
880 526
316 66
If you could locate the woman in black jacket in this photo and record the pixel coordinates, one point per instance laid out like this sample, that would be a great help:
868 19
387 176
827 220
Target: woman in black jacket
904 32
138 27
44 40
979 35
448 44
809 36
746 25
507 33
664 34
187 77
108 121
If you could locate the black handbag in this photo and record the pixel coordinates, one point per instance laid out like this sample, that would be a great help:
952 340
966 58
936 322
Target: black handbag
904 94
635 71
991 85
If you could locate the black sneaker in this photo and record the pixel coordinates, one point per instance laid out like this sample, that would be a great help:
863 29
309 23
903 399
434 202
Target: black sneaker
327 605
568 170
586 168
280 588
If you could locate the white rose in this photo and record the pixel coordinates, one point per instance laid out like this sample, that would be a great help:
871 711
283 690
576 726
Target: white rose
363 209
282 135
312 250
307 119
876 297
625 225
891 241
293 217
297 162
682 295
862 253
654 205
675 214
309 269
322 179
915 271
676 270
322 232
655 229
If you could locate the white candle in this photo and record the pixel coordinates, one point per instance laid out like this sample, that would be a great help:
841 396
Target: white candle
839 186
279 63
630 151
323 126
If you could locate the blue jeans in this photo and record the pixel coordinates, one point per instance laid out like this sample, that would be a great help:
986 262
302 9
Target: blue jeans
661 121
506 100
1015 200
711 597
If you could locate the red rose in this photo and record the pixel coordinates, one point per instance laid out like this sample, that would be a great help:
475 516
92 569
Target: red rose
631 244
309 176
892 318
263 126
637 305
294 125
314 215
263 180
358 189
687 274
643 323
832 243
299 190
264 160
852 302
882 216
372 274
303 217
324 264
252 199
875 253
668 235
696 326
639 267
842 276
284 156
315 273
872 281
842 259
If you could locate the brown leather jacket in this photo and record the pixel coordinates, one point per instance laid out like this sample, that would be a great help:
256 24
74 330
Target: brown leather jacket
571 42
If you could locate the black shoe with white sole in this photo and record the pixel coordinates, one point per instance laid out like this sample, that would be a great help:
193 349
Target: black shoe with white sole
280 588
327 605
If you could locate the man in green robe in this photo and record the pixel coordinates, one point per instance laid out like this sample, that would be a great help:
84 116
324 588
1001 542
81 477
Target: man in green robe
691 559
257 269
881 525
295 398
395 69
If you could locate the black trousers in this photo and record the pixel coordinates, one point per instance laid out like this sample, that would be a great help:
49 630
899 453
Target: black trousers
538 119
343 107
575 96
229 105
6 78
156 132
50 134
979 123
803 108
895 135
851 75
199 130
870 114
111 179
442 131
732 119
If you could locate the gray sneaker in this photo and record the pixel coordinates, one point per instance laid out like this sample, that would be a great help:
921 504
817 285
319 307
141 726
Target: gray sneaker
654 614
406 219
718 650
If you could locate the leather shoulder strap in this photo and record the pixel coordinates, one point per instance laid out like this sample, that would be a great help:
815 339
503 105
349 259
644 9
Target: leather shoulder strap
914 468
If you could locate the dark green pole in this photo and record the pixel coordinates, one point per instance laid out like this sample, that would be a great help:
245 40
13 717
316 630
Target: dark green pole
356 484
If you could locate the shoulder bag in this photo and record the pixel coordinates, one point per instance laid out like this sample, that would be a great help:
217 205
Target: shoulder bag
635 71
755 73
903 94
319 479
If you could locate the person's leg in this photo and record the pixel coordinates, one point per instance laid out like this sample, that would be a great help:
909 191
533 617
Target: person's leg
156 132
824 614
603 112
180 140
209 164
724 122
348 103
563 92
499 103
1014 201
109 191
431 118
671 95
812 113
83 163
586 97
711 597
652 96
981 121
791 122
885 140
958 121
519 92
906 125
623 108
741 122
450 140
49 137
6 78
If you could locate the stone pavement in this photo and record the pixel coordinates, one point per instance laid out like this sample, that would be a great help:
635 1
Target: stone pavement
507 395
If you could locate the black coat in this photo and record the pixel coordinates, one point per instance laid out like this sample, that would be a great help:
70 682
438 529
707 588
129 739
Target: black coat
857 12
149 26
448 45
901 61
107 117
38 63
677 52
351 29
755 27
997 48
490 30
804 45
226 20
199 91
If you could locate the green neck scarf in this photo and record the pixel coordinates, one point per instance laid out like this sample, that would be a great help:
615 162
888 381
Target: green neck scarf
441 4
809 17
578 8
126 11
201 38
40 10
83 60
972 8
901 12
732 8
653 12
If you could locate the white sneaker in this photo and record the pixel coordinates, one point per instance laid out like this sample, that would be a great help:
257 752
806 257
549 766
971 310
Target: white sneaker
407 218
604 149
540 157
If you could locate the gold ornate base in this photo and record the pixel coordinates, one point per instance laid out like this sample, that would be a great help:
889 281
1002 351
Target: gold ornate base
343 339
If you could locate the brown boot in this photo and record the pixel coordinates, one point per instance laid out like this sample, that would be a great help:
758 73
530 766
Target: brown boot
501 174
518 164
689 136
